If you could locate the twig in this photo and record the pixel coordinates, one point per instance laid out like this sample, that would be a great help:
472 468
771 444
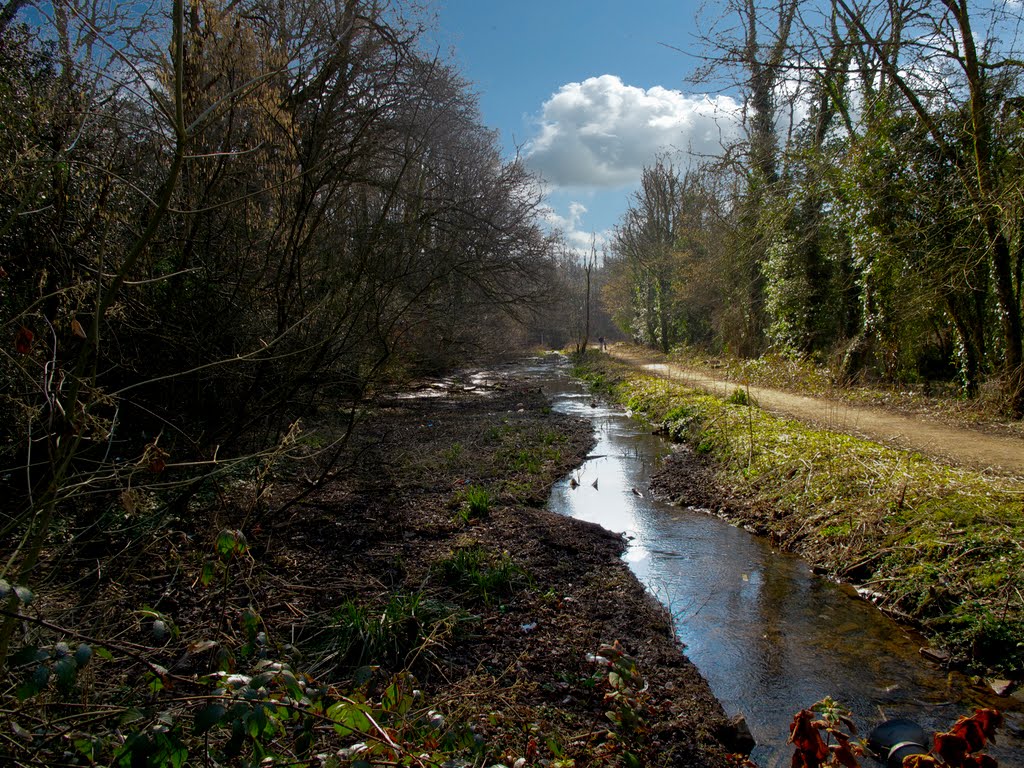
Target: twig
120 647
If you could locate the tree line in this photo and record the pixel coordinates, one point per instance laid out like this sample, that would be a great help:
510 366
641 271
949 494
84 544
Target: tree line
216 216
870 214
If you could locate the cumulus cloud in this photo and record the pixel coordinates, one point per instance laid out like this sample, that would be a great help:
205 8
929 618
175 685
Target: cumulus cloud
570 225
601 132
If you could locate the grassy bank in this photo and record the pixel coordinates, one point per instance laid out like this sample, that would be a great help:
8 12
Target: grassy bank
938 546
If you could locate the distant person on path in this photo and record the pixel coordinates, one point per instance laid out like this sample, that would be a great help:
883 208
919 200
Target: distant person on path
600 341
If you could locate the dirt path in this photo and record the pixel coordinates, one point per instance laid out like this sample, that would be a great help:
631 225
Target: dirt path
956 445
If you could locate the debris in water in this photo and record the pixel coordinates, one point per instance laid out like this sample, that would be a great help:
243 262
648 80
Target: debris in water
936 655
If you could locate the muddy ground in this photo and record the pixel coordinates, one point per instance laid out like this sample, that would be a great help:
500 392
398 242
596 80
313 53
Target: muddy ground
518 670
500 611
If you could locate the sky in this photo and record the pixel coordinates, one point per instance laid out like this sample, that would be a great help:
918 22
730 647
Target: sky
588 92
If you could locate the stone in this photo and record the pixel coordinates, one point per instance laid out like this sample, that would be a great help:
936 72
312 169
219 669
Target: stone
736 737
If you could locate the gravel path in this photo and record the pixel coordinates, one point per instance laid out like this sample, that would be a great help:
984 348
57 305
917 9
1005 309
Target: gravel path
1001 454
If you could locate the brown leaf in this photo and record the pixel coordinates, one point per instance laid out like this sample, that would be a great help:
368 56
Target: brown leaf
129 501
154 458
843 752
77 329
990 720
807 739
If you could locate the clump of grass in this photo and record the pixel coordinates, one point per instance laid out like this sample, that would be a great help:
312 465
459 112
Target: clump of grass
530 460
390 634
453 455
475 504
940 543
482 575
739 396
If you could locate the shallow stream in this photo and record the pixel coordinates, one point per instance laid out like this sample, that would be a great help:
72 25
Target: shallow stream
770 637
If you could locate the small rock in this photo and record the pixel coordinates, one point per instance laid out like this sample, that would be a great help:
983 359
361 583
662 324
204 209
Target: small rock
735 735
520 763
1001 687
936 655
871 595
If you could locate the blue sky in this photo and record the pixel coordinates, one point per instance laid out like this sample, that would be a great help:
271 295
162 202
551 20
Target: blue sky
588 91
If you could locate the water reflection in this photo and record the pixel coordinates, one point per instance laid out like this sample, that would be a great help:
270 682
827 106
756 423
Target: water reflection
769 636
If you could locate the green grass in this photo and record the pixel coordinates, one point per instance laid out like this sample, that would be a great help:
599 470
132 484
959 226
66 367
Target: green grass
389 633
474 503
482 575
941 543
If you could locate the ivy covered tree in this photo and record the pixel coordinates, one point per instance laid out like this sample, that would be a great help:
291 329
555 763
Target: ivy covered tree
869 216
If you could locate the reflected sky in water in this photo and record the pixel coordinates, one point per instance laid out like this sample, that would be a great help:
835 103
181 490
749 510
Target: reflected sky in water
769 636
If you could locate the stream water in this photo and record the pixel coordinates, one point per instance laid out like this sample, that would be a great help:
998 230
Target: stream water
769 636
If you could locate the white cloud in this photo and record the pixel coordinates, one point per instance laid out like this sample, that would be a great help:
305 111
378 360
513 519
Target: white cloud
602 132
571 226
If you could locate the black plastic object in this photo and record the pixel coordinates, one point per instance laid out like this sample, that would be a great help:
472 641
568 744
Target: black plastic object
893 740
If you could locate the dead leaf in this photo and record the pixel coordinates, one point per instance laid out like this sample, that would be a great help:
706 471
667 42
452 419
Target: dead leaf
952 748
23 340
843 752
989 720
807 739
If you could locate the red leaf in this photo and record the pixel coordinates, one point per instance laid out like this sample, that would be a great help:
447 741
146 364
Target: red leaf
970 731
952 747
23 340
989 720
